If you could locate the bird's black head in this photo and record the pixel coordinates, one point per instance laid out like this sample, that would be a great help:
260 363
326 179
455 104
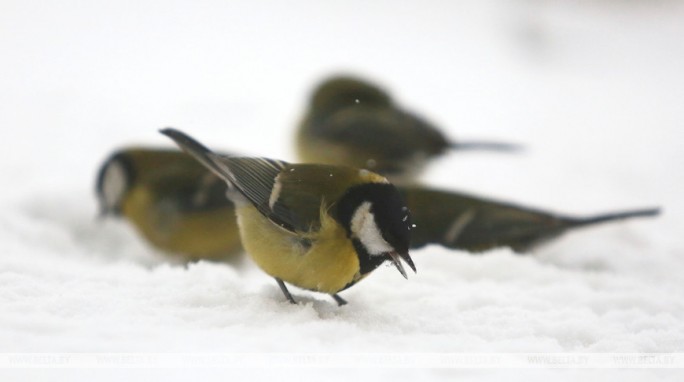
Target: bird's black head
338 93
379 224
114 180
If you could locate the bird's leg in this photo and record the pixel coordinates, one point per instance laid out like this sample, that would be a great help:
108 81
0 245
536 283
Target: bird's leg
340 301
286 292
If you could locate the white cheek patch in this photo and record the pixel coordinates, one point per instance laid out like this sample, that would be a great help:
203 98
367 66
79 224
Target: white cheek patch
363 226
113 185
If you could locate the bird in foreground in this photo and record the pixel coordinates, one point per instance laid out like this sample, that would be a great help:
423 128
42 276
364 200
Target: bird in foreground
318 227
474 224
352 122
172 201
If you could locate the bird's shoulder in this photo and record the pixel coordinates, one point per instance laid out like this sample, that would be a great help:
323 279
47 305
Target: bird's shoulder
302 191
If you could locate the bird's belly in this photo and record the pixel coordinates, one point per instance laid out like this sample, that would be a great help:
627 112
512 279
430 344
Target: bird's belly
208 235
327 263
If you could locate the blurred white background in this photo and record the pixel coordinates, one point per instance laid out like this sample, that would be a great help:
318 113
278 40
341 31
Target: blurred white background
592 89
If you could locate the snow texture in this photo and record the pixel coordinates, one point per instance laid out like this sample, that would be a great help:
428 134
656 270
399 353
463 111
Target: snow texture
593 90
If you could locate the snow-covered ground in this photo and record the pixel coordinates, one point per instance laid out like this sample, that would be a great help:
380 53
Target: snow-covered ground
594 91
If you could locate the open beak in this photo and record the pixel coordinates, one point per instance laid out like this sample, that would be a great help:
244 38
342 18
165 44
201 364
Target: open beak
396 258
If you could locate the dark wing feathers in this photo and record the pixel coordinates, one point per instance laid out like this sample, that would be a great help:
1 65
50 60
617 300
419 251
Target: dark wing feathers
473 224
395 134
309 187
253 178
289 195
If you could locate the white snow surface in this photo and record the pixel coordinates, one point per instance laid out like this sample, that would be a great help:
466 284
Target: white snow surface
593 90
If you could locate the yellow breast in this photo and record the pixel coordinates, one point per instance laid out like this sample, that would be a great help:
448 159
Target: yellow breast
208 235
323 261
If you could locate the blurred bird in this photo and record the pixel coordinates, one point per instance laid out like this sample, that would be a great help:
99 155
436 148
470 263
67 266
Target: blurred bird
318 227
475 224
352 122
173 202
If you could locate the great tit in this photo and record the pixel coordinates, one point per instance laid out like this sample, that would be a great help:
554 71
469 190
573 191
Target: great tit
318 227
355 123
173 202
475 224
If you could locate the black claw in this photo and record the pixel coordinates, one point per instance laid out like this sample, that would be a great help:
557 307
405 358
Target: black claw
286 292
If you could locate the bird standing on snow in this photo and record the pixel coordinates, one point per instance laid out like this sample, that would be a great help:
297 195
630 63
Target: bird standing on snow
172 201
318 227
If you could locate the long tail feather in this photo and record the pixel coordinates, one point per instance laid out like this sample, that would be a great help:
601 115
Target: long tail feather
646 212
194 148
485 145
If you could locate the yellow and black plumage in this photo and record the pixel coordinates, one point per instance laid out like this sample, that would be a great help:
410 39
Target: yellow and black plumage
476 224
352 122
172 201
318 227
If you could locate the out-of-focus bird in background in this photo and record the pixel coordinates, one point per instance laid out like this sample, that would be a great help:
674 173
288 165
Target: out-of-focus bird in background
172 201
352 122
474 224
